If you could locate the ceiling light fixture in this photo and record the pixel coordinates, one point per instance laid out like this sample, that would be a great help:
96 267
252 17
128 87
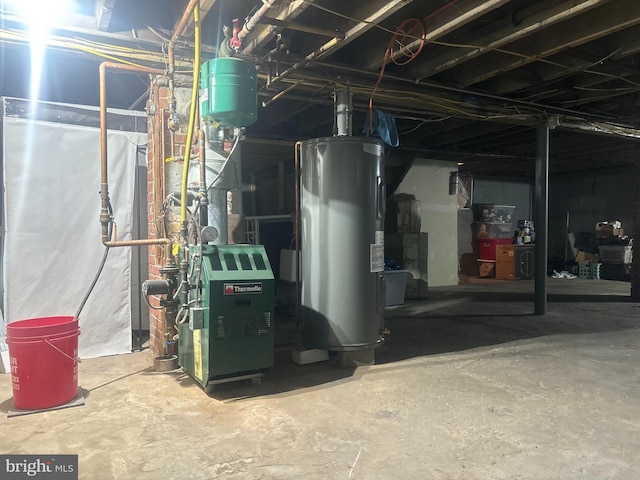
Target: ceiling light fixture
40 15
52 10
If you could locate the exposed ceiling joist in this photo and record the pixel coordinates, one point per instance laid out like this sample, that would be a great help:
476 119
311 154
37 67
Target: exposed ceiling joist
565 142
205 8
325 32
597 23
104 11
465 133
600 128
511 141
282 113
566 60
371 13
535 17
286 11
442 23
594 70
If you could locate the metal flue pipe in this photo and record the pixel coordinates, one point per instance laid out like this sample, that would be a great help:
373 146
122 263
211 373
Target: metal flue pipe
105 216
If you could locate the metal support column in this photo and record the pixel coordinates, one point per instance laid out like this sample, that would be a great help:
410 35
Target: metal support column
541 218
635 266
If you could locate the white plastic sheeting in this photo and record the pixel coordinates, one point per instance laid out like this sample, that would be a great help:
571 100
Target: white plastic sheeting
52 243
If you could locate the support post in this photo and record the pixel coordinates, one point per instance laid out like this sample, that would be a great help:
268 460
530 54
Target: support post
541 218
635 266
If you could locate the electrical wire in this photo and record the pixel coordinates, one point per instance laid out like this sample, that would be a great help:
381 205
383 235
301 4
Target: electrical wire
146 300
397 39
100 268
532 58
128 55
159 35
451 3
347 17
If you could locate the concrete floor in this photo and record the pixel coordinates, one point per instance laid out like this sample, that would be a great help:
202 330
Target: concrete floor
469 385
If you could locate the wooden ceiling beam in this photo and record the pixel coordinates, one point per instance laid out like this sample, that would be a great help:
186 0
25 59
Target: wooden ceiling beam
205 7
535 17
441 24
592 25
586 69
286 11
104 11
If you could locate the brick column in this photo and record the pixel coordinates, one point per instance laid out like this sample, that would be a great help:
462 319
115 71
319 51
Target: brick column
157 152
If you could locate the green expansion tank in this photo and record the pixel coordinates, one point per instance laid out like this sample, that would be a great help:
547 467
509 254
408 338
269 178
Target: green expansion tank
229 94
232 336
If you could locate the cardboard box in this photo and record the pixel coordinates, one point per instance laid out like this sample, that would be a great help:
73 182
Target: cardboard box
515 262
487 268
616 253
582 257
609 229
487 247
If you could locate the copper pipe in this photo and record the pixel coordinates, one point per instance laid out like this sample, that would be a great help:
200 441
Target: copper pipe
186 16
202 158
105 216
163 149
163 127
282 93
137 243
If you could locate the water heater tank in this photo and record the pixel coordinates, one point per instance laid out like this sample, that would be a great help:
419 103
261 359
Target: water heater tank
229 94
342 242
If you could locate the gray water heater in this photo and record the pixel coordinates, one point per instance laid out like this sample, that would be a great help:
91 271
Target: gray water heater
342 243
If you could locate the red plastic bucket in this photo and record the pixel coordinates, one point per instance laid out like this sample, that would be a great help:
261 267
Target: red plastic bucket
43 356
